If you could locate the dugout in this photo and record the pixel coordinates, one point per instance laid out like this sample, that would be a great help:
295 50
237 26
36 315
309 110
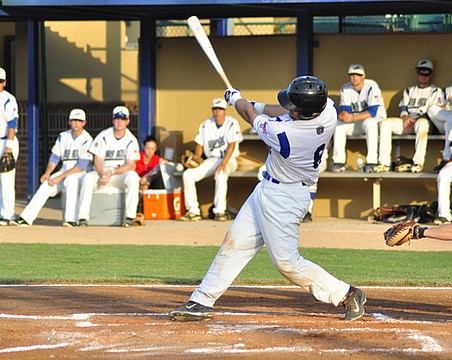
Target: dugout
171 83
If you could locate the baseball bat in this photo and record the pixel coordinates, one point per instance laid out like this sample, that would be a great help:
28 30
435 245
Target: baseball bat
206 46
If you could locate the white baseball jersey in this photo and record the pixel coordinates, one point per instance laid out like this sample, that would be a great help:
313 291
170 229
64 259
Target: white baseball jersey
369 96
69 149
416 101
296 146
448 97
115 152
215 140
8 112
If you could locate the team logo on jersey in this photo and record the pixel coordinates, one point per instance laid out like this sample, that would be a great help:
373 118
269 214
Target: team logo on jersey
320 130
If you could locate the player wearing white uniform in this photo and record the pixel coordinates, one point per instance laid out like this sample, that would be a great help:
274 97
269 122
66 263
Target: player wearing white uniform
8 144
362 108
71 149
414 105
441 116
115 152
272 213
218 138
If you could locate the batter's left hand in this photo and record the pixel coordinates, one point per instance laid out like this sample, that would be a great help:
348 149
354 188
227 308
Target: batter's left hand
232 95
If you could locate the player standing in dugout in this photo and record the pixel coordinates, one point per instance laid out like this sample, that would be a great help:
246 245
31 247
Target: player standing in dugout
272 213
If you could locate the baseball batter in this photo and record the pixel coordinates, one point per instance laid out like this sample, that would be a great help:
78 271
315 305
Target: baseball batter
441 116
414 105
218 138
273 212
8 144
71 149
362 108
115 152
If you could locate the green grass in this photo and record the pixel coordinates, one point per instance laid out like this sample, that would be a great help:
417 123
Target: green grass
44 263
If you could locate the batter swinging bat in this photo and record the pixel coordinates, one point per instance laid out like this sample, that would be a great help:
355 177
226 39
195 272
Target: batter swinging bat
206 46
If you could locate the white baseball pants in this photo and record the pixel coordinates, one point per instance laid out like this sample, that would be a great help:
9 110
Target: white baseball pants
129 180
444 179
71 185
191 176
369 127
443 121
271 217
7 184
391 126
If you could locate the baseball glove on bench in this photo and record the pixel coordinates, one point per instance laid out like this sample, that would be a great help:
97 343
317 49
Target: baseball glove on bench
190 160
402 232
7 162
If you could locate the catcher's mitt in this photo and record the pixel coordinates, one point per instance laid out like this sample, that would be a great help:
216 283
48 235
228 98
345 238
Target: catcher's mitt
402 232
190 160
7 162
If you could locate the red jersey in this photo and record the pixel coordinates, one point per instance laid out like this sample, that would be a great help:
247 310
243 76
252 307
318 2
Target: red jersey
142 168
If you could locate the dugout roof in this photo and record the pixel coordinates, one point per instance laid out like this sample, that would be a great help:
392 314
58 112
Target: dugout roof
182 9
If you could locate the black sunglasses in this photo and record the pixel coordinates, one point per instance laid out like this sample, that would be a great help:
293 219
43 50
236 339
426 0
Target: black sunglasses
121 116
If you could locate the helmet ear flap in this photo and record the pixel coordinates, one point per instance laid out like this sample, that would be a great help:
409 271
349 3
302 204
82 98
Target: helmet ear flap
306 94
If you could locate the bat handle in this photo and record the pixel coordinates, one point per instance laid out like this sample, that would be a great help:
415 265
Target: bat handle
225 80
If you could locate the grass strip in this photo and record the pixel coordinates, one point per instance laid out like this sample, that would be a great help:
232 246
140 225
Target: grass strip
67 263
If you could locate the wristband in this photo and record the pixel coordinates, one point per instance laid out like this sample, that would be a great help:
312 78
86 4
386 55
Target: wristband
259 107
9 143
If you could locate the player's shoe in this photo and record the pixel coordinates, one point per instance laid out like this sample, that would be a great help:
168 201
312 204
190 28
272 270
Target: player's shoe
221 217
369 168
440 221
19 222
83 223
128 222
190 217
339 168
381 168
69 224
438 167
307 217
191 311
4 222
354 304
416 168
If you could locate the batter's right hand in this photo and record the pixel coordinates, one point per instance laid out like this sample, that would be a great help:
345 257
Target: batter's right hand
232 95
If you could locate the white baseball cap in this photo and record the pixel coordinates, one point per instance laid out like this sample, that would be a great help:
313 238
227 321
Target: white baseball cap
356 69
219 103
425 64
77 114
121 112
2 74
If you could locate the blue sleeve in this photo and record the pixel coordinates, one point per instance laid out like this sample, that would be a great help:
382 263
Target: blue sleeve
83 164
12 124
373 110
403 108
346 108
54 158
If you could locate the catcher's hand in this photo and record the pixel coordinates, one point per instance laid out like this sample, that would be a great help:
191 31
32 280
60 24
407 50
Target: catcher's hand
7 162
401 233
190 160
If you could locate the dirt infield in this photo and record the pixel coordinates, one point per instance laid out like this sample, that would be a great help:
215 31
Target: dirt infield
131 322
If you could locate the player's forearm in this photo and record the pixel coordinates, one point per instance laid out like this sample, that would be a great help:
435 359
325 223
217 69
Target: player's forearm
246 111
228 153
441 232
130 165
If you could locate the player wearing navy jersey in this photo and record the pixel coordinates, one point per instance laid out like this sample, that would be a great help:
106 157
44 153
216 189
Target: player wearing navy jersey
415 102
115 152
272 213
441 117
362 108
8 144
71 150
217 138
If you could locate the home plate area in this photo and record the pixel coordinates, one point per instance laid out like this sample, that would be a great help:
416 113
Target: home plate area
131 322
